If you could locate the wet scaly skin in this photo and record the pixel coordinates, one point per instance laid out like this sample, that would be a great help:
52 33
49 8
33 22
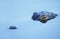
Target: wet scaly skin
43 17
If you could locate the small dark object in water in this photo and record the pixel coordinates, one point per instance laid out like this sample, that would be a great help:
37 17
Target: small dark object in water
12 27
43 16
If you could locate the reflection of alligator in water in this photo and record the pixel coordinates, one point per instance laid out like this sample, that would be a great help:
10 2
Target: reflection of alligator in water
43 16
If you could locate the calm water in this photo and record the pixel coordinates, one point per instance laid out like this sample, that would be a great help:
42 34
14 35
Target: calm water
19 12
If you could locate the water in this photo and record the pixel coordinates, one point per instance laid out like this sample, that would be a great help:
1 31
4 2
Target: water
19 12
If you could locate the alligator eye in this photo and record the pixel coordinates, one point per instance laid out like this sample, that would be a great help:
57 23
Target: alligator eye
43 21
44 17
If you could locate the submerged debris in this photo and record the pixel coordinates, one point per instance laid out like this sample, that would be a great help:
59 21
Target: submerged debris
43 16
12 27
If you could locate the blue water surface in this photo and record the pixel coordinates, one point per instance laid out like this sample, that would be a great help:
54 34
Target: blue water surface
19 12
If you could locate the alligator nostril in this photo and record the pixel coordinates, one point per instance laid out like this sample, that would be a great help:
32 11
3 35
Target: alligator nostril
12 27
